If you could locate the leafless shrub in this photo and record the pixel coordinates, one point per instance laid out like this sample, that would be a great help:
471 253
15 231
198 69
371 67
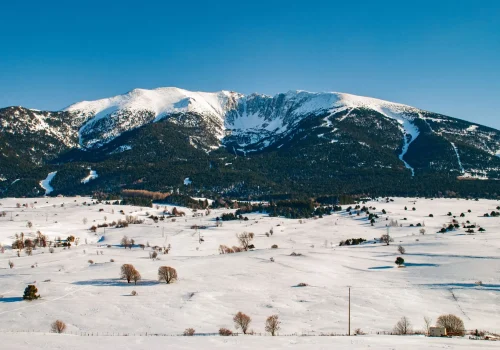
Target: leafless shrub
11 264
225 332
401 249
274 246
359 331
302 284
386 239
51 250
90 262
167 274
111 260
58 326
227 250
273 324
242 321
403 326
133 293
189 332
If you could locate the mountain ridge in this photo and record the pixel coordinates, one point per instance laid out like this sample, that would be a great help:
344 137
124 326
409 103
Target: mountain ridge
315 137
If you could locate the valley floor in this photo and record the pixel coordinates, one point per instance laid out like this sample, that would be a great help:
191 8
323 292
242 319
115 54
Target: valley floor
439 278
52 341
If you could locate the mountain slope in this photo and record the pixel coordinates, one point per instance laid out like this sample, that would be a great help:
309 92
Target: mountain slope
292 142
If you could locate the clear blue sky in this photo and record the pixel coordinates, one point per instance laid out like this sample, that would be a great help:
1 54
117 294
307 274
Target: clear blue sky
443 56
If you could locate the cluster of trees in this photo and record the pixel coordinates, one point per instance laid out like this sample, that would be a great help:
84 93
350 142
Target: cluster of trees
165 273
454 325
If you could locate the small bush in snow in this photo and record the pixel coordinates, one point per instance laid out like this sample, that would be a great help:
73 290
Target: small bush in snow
225 332
58 326
189 332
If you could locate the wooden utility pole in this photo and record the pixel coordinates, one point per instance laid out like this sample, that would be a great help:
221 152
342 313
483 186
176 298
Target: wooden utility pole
349 330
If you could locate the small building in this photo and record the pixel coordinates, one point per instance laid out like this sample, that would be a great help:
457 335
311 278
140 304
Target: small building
437 332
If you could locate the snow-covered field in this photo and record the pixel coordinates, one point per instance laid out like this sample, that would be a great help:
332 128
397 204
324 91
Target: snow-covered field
440 275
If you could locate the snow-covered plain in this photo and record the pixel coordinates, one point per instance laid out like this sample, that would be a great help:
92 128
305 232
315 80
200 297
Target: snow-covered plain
440 275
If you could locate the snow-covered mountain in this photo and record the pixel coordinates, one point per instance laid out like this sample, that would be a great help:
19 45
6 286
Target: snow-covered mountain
255 116
353 132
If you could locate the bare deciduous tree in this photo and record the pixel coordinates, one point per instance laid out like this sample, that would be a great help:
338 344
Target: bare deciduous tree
128 272
136 276
452 323
245 238
167 274
125 242
242 321
58 326
427 323
403 326
401 249
273 324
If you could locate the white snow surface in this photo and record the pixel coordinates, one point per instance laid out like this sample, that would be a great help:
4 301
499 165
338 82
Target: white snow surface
45 184
30 341
91 176
462 170
439 277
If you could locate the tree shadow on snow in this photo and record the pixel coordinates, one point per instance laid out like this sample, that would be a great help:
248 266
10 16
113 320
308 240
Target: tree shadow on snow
380 267
11 299
485 286
114 282
430 255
